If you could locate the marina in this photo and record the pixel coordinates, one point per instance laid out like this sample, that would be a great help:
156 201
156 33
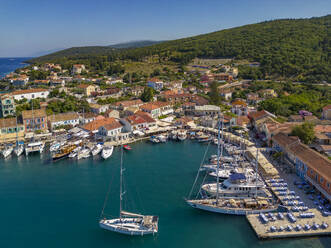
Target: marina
70 183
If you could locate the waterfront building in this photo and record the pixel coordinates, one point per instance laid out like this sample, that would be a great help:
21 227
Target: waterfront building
157 109
9 129
134 122
308 164
30 94
63 119
34 120
111 129
7 105
94 125
155 83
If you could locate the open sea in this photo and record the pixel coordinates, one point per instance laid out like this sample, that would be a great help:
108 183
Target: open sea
8 65
45 204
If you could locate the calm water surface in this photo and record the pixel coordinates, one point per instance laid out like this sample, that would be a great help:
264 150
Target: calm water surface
58 205
8 65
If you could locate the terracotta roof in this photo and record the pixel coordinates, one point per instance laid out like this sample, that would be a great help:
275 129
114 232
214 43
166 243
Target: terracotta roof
322 128
129 103
149 106
96 124
29 114
20 92
8 122
242 120
310 118
135 120
258 114
284 140
313 160
84 86
114 124
146 116
154 80
63 117
239 102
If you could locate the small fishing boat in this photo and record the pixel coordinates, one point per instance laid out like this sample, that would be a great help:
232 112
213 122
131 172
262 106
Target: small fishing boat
205 138
154 139
96 149
127 147
55 146
173 135
107 151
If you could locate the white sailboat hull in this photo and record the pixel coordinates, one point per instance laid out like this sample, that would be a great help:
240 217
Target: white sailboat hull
19 150
128 226
221 210
7 152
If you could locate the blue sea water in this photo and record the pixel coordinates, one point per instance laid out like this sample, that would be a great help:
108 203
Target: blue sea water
8 65
45 204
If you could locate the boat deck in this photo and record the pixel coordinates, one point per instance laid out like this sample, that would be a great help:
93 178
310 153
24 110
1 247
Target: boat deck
263 230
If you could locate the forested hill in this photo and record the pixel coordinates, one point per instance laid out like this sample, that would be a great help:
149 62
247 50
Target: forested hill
297 48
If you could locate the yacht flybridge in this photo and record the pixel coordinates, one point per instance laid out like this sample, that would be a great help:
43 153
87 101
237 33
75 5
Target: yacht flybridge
129 223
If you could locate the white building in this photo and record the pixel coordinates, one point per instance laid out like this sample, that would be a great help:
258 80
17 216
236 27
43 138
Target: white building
30 94
206 110
63 119
155 83
111 130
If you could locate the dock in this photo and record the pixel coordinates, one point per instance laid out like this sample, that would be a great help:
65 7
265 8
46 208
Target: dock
264 230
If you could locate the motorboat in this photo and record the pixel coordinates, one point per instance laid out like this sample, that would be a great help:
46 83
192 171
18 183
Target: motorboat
154 140
161 138
107 151
127 147
84 153
96 149
64 152
181 135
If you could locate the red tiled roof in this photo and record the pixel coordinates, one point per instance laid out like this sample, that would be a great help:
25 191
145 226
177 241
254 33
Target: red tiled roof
145 116
322 128
327 107
258 114
19 92
135 120
96 124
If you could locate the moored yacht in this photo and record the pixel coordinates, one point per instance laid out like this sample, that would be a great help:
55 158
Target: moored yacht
237 185
7 151
107 151
84 153
96 149
181 135
19 149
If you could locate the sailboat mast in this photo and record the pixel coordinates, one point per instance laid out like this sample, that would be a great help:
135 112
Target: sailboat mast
121 182
16 132
218 156
256 165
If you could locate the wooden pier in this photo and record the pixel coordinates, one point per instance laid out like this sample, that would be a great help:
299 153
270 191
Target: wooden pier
263 230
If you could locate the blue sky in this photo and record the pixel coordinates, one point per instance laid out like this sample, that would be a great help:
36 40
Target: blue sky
32 26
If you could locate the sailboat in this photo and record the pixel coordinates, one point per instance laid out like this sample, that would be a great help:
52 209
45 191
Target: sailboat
19 148
229 205
129 223
7 151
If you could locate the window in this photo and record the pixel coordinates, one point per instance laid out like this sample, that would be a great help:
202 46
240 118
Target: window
321 180
328 185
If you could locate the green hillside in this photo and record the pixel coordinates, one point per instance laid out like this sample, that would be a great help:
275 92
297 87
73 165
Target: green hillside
291 48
